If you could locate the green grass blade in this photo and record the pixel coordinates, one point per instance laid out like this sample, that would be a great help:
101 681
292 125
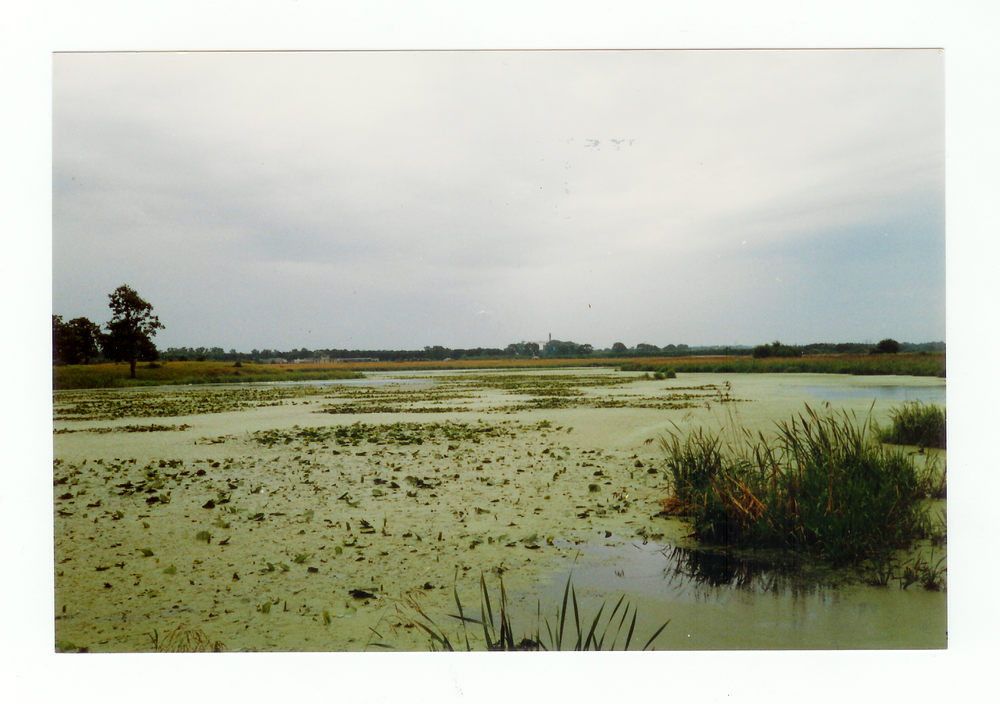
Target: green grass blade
635 612
621 622
439 637
611 618
576 617
506 632
562 614
461 616
658 632
593 628
484 595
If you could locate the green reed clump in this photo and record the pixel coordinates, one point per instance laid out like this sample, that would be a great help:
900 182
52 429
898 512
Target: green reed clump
824 485
915 423
571 630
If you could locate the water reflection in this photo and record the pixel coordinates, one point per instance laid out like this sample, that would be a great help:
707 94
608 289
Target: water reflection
767 572
882 392
697 574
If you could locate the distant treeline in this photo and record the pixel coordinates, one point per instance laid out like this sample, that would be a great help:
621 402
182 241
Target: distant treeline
80 341
550 349
217 354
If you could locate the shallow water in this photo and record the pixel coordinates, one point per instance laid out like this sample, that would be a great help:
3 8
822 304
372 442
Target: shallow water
716 601
491 495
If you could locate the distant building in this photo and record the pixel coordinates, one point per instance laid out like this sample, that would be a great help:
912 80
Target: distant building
325 359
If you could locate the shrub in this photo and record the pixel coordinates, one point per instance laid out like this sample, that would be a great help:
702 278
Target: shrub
886 346
776 349
916 424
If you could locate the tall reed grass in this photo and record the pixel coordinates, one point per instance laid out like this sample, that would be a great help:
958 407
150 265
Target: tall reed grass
571 630
915 423
824 484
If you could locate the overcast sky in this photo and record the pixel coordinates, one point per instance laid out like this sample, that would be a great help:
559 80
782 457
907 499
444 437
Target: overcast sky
402 199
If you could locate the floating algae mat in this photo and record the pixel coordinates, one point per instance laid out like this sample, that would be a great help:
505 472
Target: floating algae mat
330 517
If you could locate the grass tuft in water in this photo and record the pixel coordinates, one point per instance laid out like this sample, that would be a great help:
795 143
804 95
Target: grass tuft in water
917 424
498 633
824 485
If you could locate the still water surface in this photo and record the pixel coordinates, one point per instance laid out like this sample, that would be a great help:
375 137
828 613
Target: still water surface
716 601
881 392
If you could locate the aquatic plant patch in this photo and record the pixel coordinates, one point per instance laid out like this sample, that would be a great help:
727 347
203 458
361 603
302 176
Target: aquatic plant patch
825 485
154 428
115 376
916 423
391 433
167 404
366 408
552 384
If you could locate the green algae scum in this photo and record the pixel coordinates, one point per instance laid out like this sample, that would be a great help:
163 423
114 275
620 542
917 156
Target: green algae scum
504 509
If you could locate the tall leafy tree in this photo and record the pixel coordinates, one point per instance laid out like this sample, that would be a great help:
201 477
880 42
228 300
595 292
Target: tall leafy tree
74 342
84 336
131 328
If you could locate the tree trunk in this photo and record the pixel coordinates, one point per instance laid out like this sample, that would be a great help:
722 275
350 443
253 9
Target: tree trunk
132 367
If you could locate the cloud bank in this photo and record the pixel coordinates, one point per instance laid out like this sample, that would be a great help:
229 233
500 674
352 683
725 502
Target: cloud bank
400 199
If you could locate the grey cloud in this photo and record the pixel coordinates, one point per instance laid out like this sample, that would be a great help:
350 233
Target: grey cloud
429 186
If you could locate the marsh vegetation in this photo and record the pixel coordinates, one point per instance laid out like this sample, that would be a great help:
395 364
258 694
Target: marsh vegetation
116 376
917 424
824 484
909 364
331 517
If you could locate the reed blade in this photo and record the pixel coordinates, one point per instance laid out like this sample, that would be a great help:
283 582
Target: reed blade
611 618
631 629
658 632
593 629
576 617
562 615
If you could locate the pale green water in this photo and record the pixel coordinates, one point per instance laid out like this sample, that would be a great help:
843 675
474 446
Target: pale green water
802 608
731 606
